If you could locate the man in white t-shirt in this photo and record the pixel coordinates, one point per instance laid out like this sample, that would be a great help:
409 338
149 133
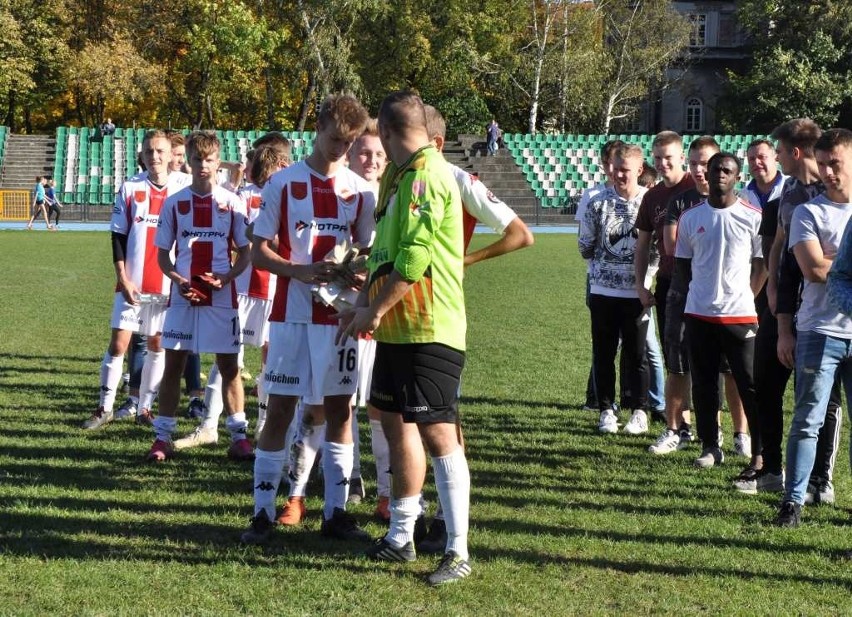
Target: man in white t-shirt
141 289
718 252
824 333
313 207
200 224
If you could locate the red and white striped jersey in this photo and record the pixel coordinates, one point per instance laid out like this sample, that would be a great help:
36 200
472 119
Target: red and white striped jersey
135 214
480 205
253 282
202 228
311 215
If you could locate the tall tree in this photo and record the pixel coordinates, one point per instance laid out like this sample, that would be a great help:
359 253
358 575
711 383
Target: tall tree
797 71
642 40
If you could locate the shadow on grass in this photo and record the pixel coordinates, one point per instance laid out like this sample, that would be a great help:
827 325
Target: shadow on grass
645 568
47 357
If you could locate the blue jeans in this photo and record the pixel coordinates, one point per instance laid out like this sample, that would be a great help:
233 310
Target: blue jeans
656 374
818 358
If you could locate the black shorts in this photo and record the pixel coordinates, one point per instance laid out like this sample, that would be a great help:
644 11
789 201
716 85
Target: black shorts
419 380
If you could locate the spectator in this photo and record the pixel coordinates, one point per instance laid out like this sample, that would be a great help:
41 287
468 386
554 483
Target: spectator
492 133
108 128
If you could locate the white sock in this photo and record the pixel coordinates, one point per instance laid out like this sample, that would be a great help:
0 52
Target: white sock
336 471
237 425
134 399
452 479
262 402
303 454
356 444
111 370
164 427
382 456
404 513
268 469
213 398
152 376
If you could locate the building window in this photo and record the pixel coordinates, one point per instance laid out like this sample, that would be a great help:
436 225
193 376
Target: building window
694 115
698 34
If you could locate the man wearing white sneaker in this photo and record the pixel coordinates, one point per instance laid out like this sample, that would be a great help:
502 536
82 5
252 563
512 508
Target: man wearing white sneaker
608 239
718 252
667 149
824 332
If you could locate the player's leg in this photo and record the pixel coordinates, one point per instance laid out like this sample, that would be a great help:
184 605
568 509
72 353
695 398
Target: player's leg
165 423
270 458
206 433
111 370
192 380
634 328
233 398
152 376
381 454
739 345
305 447
442 367
366 356
335 370
288 378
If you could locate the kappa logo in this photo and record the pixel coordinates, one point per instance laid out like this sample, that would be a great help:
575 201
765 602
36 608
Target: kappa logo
346 381
701 230
265 486
343 482
236 343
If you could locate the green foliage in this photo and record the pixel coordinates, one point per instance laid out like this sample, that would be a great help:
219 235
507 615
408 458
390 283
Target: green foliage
797 71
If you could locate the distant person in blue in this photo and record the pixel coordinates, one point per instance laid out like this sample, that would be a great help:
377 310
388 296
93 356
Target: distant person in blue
492 133
37 206
108 128
53 205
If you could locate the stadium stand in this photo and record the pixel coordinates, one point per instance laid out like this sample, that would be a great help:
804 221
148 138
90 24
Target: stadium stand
559 167
90 168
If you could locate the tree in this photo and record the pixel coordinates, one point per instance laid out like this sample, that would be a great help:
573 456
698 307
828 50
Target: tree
111 74
642 40
797 71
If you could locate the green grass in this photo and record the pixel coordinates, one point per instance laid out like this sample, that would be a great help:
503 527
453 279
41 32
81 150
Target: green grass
564 521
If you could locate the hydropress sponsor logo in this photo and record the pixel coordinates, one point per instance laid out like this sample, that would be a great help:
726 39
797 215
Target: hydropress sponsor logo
202 234
300 225
281 378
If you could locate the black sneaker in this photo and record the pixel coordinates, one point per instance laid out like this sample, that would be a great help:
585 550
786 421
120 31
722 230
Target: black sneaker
196 409
343 526
356 491
789 515
382 550
435 541
260 528
451 569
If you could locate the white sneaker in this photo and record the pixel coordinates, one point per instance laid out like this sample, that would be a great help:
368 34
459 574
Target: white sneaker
666 444
742 444
608 422
710 457
638 423
199 437
127 410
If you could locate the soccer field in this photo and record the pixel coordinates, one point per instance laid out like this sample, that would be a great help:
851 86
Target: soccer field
563 520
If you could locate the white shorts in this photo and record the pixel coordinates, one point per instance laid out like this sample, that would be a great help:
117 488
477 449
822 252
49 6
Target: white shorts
304 361
146 319
254 316
366 356
202 329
